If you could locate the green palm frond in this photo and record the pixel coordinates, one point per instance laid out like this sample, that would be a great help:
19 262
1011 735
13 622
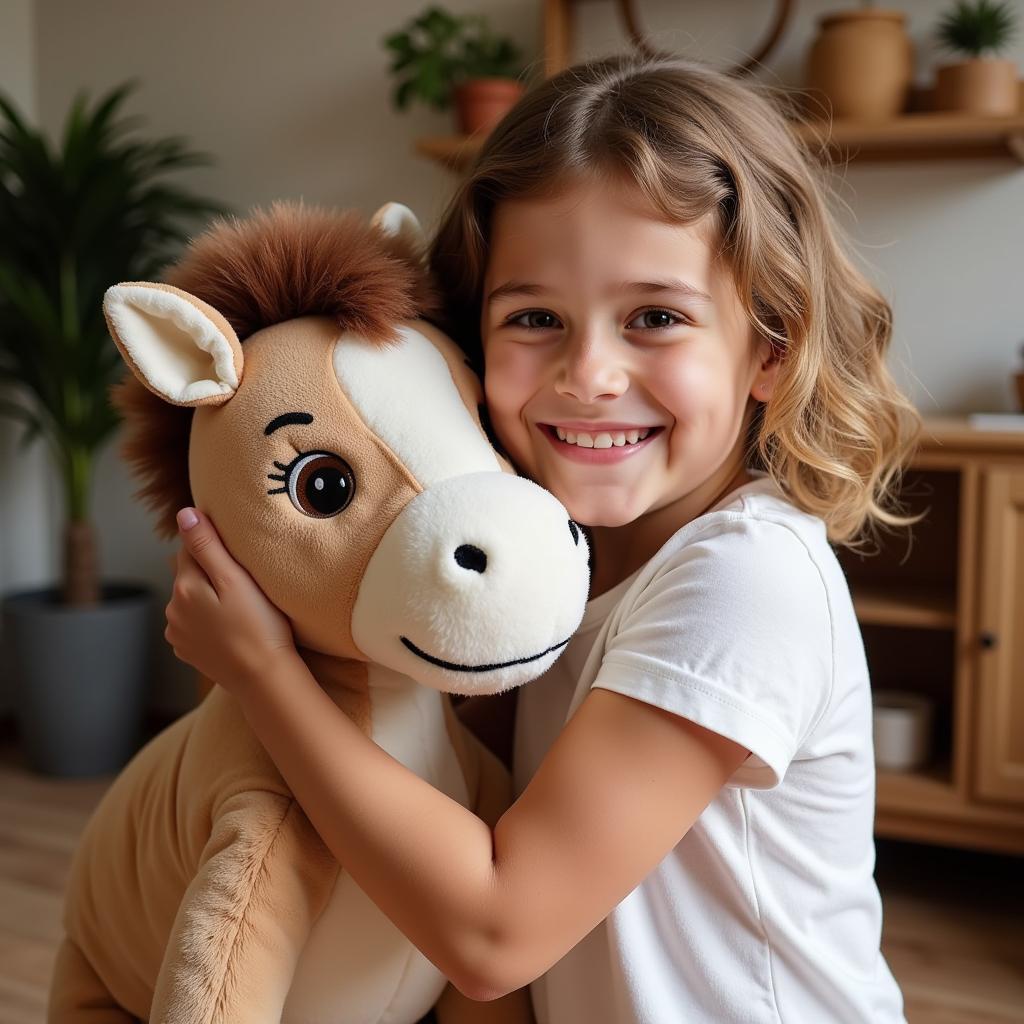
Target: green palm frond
75 218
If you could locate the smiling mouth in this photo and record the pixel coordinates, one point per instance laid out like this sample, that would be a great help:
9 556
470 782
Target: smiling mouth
600 440
452 667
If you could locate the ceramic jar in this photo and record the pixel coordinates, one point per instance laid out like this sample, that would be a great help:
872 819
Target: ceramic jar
902 727
862 61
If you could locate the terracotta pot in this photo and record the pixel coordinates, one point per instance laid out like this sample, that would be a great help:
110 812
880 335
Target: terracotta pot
863 63
980 86
481 103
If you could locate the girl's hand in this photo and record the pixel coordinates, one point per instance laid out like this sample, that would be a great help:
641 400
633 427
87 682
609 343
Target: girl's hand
218 619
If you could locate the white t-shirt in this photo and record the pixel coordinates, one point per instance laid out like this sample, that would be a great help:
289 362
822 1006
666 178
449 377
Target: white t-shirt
767 911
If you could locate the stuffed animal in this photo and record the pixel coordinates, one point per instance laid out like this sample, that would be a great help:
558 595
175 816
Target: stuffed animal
284 382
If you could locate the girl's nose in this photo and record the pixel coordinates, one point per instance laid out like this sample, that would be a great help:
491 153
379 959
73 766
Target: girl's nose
591 369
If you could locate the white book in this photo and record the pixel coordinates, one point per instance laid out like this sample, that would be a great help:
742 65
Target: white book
996 420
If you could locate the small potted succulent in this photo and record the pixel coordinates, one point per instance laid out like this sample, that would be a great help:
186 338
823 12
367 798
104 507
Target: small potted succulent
983 83
442 59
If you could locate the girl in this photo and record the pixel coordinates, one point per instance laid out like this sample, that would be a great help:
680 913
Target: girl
674 344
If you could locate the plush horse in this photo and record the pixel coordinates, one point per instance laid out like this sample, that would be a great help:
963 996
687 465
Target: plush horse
339 451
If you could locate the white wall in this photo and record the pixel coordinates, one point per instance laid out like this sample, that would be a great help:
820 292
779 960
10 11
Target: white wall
293 100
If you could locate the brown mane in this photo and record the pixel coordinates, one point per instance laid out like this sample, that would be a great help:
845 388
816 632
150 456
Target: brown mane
276 265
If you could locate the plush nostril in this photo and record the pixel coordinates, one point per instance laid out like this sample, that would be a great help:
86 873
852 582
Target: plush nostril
470 557
575 531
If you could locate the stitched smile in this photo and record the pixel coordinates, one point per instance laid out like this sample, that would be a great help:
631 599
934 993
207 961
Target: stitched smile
477 668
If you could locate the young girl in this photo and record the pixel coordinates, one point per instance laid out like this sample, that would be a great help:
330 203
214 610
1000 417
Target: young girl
675 345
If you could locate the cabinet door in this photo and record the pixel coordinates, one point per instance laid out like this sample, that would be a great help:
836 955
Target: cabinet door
999 747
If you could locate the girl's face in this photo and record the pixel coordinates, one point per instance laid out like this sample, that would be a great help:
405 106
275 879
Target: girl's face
619 365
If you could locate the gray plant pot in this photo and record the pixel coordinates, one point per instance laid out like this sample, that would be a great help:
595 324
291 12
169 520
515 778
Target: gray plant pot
79 677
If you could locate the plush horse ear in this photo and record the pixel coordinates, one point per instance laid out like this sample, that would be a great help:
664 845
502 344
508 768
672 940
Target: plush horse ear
182 349
400 222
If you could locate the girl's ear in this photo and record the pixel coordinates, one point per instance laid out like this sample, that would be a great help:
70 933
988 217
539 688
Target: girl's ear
769 357
182 349
400 222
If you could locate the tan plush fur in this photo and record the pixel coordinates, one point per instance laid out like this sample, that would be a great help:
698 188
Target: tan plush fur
199 880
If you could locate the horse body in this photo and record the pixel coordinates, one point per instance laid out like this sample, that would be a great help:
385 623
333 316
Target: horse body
354 967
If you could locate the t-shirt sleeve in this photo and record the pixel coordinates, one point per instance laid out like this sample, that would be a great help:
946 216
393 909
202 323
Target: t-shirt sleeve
734 633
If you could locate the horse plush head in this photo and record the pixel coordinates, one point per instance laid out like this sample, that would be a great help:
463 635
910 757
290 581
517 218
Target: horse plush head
286 383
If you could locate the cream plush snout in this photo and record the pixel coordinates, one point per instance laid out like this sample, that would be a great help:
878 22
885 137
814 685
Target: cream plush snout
476 586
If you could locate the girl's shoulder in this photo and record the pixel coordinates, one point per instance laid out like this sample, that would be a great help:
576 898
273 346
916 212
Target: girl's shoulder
754 542
757 513
754 553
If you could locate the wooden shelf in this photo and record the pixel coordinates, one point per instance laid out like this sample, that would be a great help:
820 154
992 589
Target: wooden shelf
926 136
926 789
925 806
456 152
900 605
930 136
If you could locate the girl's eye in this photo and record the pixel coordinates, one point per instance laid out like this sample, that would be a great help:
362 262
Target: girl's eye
534 319
654 319
319 484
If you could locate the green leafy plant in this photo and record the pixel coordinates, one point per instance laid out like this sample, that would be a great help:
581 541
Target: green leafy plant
437 50
974 29
75 219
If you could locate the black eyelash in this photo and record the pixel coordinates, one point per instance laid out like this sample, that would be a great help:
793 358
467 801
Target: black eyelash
284 474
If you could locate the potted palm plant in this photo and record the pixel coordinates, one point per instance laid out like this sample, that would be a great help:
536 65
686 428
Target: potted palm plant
441 59
75 218
983 83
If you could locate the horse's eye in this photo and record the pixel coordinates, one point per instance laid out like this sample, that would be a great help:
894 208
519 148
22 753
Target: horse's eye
320 484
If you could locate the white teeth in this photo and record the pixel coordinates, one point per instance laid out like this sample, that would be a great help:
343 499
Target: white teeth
616 439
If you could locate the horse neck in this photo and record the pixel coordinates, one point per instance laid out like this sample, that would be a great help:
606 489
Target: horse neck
344 680
348 683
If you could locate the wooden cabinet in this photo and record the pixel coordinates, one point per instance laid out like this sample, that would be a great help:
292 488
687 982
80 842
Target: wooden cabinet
942 613
999 753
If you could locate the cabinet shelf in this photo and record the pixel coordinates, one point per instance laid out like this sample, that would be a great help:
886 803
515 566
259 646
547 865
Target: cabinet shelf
930 787
912 607
925 136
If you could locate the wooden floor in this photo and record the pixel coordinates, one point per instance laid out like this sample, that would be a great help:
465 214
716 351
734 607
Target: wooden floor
954 921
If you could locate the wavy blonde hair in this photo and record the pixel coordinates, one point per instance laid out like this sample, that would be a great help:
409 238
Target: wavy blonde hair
696 141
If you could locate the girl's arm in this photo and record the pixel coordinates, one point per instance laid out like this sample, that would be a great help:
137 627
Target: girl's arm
493 910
